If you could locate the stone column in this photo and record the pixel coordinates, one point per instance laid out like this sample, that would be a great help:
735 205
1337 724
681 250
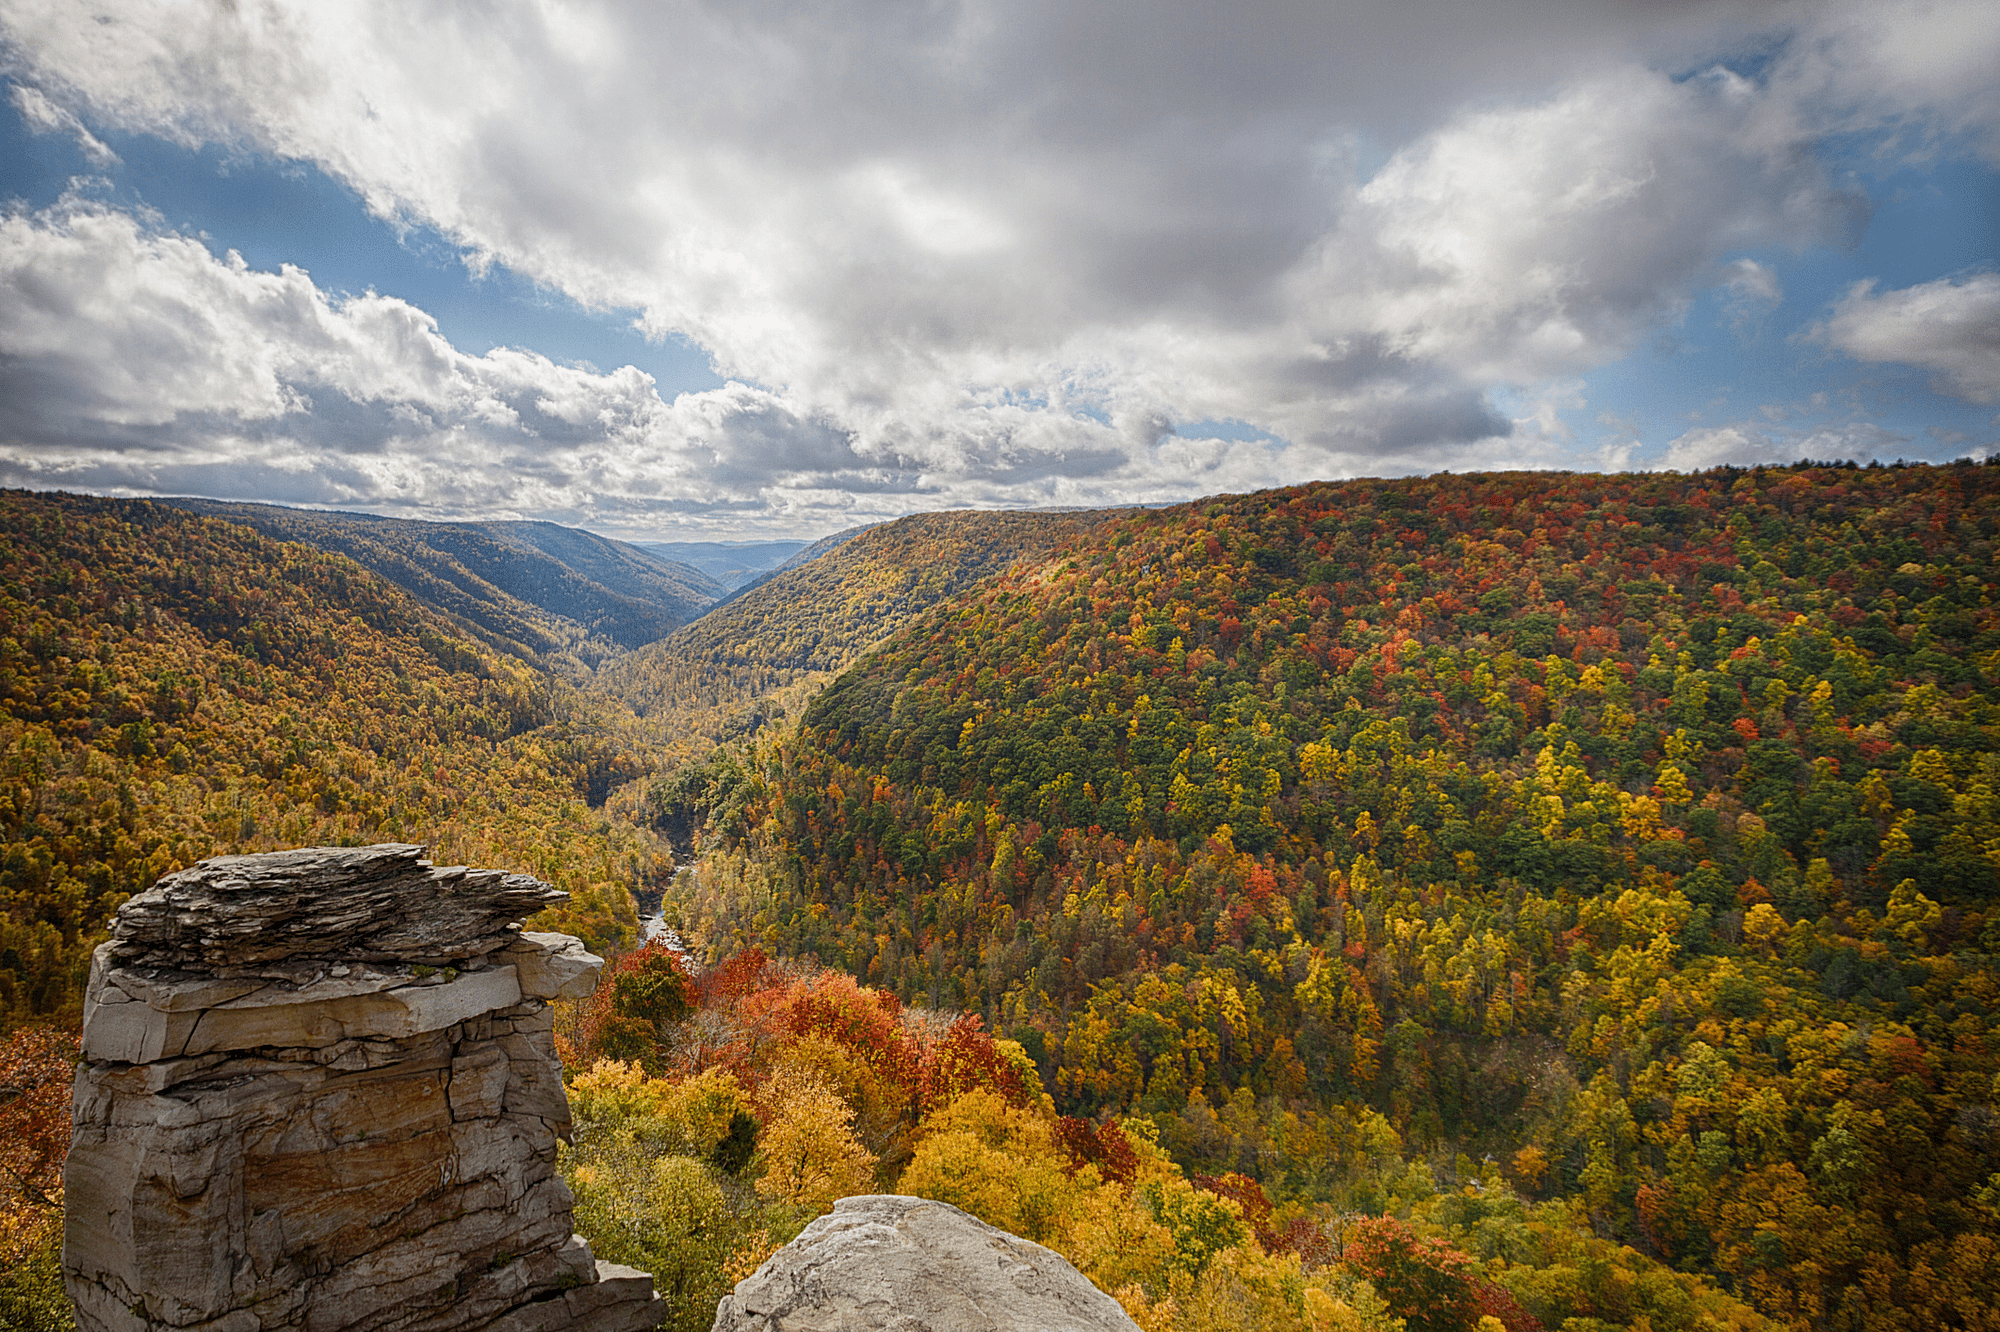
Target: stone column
320 1093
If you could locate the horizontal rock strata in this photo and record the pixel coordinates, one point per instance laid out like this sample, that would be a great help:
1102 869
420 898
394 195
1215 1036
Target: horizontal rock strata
366 903
321 1094
898 1264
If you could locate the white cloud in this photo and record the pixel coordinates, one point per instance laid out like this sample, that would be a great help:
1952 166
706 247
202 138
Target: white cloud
135 361
1752 291
1921 73
45 117
1752 444
990 253
1948 326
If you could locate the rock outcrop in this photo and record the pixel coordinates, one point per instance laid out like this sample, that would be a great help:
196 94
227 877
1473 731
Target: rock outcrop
320 1094
911 1265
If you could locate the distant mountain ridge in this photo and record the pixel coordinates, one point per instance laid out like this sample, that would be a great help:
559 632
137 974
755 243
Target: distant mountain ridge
536 590
823 546
730 563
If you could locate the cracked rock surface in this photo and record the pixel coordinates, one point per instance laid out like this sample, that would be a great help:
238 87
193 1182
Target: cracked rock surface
321 1094
885 1263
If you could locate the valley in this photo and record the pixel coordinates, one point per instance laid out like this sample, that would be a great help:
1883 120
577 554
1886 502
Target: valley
1591 875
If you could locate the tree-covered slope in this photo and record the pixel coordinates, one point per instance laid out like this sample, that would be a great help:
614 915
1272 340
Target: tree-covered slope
717 677
174 687
540 591
1639 831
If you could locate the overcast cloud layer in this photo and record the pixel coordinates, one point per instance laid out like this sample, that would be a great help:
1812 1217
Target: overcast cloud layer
965 254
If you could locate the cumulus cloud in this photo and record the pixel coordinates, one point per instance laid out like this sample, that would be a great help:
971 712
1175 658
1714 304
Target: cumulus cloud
136 361
994 252
1951 326
1753 444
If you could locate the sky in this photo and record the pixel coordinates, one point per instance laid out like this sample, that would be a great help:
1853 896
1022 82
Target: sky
689 271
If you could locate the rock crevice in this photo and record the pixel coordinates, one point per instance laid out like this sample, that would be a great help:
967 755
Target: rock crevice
320 1094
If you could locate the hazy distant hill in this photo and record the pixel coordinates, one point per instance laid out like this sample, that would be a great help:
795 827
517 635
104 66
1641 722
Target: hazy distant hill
535 589
803 557
730 563
831 601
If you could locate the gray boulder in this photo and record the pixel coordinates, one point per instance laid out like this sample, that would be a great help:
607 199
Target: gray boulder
912 1265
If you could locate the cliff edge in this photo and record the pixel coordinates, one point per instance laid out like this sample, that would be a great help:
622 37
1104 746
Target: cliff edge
320 1094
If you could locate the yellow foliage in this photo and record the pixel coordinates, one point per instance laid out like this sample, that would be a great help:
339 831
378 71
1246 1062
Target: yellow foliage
996 1162
810 1154
688 1117
663 1215
1764 927
878 1105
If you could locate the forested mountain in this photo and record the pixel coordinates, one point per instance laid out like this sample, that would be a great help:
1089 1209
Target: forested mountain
178 686
730 563
1639 832
546 593
767 646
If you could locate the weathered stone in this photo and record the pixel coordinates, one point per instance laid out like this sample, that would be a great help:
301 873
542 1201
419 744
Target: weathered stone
164 1025
912 1265
321 1095
554 966
375 903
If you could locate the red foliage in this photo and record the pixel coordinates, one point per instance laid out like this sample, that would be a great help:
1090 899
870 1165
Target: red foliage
1312 1244
629 1016
965 1058
1426 1283
1246 1193
837 1009
1498 1302
733 978
1102 1145
36 1067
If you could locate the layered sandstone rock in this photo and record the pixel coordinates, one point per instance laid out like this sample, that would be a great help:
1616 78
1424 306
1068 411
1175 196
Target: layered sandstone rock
911 1265
320 1093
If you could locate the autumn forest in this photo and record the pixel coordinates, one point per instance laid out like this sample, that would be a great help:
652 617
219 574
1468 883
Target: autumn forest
1543 901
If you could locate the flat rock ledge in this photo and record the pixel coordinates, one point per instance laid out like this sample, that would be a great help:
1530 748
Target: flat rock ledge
320 1093
911 1265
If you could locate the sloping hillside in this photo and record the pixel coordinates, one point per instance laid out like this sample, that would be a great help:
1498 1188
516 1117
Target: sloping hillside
537 590
177 687
769 645
1639 832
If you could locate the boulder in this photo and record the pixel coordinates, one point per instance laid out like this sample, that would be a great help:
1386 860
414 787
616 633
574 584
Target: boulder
912 1265
320 1094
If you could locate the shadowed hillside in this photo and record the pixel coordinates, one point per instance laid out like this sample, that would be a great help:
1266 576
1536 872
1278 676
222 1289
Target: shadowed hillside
177 687
537 590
